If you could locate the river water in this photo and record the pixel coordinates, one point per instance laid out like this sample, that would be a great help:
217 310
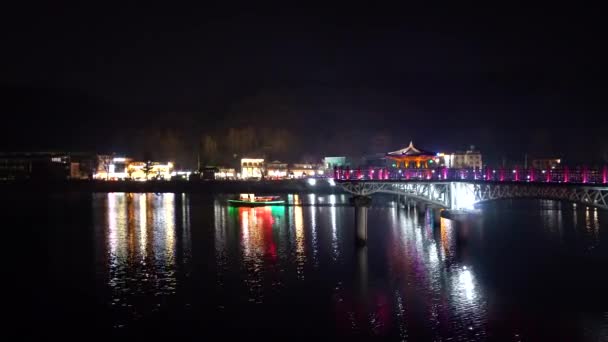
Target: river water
181 265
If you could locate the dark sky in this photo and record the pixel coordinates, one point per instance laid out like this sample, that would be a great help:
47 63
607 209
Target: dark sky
508 81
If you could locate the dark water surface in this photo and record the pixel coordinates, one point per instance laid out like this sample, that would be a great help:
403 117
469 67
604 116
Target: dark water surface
177 265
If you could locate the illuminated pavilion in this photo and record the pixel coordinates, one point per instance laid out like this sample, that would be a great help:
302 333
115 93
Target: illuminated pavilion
412 157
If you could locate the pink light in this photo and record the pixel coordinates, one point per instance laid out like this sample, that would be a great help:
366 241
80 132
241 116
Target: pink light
549 174
532 175
566 174
501 175
585 174
488 173
371 173
445 172
605 174
517 173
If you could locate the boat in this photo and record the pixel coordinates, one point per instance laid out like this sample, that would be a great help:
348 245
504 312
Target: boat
250 200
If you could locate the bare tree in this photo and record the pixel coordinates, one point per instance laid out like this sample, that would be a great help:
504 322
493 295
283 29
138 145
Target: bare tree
209 150
147 168
104 162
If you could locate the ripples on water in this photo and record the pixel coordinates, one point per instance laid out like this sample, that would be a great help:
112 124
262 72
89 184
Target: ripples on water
191 265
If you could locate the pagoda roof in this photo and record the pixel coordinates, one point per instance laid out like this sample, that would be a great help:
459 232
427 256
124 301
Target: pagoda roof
410 151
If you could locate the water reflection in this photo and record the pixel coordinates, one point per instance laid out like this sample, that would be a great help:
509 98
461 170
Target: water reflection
140 232
260 229
419 278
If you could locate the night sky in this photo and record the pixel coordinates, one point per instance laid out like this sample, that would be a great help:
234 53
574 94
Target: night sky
343 80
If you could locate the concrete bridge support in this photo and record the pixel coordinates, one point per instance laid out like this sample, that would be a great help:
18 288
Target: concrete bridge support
437 216
361 204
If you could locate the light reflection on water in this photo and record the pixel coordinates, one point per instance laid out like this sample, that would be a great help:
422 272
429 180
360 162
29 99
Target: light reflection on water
141 236
419 278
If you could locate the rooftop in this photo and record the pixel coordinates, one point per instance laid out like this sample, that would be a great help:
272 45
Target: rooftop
410 151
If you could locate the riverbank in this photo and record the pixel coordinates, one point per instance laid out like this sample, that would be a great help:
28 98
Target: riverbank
321 186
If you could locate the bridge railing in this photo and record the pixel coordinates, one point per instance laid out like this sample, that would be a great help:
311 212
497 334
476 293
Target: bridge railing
579 174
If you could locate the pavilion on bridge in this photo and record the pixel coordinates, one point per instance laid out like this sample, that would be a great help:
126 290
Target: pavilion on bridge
410 157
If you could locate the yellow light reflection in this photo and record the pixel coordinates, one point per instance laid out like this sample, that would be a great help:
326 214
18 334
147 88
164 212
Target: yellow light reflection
300 255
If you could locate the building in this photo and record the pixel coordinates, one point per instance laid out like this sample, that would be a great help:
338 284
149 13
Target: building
546 163
252 168
412 157
276 170
464 159
226 173
330 162
110 167
35 165
149 170
303 170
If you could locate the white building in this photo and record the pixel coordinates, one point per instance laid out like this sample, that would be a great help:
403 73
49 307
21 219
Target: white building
252 168
464 160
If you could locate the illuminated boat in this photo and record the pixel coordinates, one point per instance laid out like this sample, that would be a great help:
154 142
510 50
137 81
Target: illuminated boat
250 200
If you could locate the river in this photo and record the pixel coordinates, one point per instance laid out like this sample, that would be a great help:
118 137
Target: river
181 265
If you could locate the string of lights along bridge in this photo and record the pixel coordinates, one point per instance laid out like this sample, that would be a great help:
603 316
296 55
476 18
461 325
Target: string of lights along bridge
415 164
582 174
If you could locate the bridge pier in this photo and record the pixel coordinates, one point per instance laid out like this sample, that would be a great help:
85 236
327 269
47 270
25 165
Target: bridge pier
361 204
437 215
421 206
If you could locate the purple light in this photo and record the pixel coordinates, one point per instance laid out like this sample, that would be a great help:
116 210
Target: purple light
566 174
605 174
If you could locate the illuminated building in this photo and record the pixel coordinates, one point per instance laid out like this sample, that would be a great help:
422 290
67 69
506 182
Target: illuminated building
276 170
330 162
461 160
546 163
252 168
412 157
111 167
226 173
137 170
302 170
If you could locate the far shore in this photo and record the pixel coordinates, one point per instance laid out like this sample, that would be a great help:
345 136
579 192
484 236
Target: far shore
322 186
